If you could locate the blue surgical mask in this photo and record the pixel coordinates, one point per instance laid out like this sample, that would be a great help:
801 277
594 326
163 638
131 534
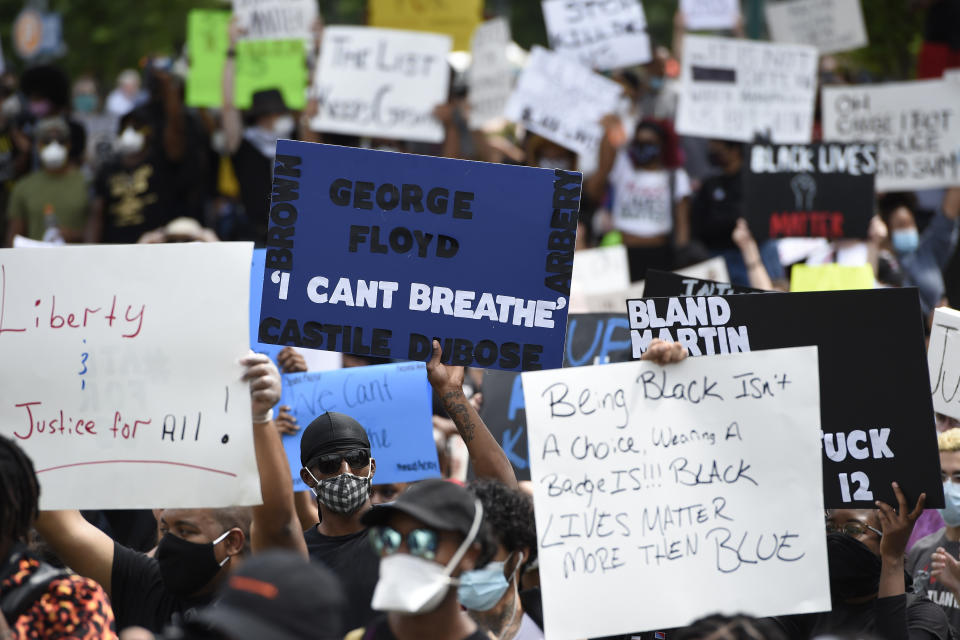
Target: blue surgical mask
951 497
643 153
481 589
905 240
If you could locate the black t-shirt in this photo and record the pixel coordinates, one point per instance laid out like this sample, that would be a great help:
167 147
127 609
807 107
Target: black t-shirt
715 209
354 562
138 595
881 617
379 629
918 566
134 199
254 174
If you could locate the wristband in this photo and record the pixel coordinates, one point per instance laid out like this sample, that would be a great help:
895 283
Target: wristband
267 416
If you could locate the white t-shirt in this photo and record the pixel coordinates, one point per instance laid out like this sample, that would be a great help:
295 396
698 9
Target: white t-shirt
641 198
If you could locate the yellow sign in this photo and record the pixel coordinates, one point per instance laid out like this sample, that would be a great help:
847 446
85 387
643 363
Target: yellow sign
457 18
830 277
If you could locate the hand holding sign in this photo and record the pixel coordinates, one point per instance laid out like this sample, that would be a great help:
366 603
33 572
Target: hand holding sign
897 525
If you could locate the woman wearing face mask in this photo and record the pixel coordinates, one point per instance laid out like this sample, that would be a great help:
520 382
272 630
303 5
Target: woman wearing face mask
650 193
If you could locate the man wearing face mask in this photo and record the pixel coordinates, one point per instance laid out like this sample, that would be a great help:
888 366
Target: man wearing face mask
427 541
50 203
47 90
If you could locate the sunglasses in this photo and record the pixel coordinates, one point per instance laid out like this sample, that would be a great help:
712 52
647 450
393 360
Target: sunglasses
330 462
420 542
853 529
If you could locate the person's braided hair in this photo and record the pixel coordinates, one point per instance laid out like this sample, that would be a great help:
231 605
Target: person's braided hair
19 492
735 627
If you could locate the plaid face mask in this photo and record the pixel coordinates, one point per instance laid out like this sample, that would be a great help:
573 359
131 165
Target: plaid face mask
344 493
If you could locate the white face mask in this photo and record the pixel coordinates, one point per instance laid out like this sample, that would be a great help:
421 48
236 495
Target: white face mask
283 126
53 156
130 141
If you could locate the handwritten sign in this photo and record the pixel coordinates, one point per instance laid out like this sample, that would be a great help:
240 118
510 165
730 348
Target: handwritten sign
829 25
736 89
868 417
391 401
381 83
818 190
562 101
660 284
943 357
703 15
915 124
455 18
387 259
601 35
119 382
677 474
830 277
490 75
276 19
207 42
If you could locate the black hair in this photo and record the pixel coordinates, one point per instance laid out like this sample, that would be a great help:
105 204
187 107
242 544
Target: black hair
48 81
19 492
890 202
660 132
508 513
735 627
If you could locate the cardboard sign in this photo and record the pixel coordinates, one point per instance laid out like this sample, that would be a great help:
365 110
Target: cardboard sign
915 124
391 401
661 284
592 338
686 490
830 277
710 14
120 382
738 89
831 26
378 253
601 35
381 83
818 190
562 101
455 18
943 356
610 302
208 39
276 19
490 75
875 425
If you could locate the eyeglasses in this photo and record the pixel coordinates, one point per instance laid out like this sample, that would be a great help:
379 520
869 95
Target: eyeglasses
420 542
852 529
330 463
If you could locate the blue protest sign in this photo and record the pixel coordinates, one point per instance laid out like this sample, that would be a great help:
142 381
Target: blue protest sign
377 253
391 401
256 292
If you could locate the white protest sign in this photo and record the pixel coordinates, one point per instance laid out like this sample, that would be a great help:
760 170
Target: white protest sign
710 14
681 475
276 19
601 35
735 89
829 25
943 360
952 75
714 269
610 302
490 76
600 270
382 83
126 391
563 101
915 124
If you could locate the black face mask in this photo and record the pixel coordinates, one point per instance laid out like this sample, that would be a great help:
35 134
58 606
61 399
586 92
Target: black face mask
716 159
643 153
186 567
854 569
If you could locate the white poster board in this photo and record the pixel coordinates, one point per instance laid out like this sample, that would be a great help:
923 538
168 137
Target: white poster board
126 392
276 19
915 124
943 360
664 473
600 270
563 101
381 83
601 35
829 25
490 76
952 75
710 14
735 89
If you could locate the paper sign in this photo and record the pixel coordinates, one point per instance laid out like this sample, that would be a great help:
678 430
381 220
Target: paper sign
381 83
915 124
378 253
601 35
455 18
665 284
490 75
952 75
391 401
830 277
818 190
738 89
601 270
120 381
562 101
943 356
869 418
702 15
611 302
831 26
276 19
207 42
686 488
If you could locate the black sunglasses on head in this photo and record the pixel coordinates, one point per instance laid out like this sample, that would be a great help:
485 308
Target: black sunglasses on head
330 462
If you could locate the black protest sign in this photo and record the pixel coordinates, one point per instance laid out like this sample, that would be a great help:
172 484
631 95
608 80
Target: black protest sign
592 338
662 284
818 190
875 407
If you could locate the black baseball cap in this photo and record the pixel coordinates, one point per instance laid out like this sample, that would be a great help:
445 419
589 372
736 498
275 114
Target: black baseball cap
277 594
331 432
439 504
